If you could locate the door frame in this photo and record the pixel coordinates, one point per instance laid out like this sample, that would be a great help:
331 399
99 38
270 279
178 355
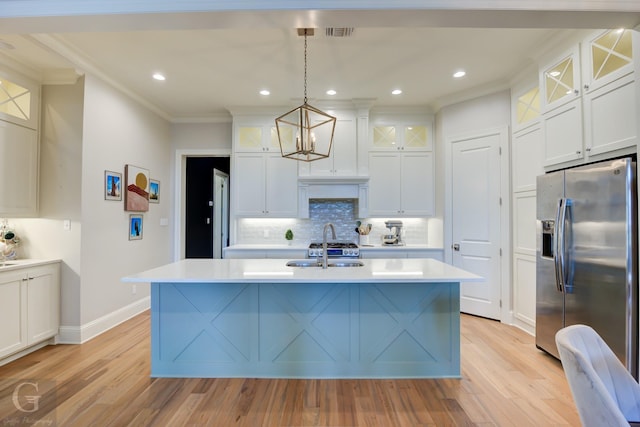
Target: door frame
506 309
180 200
225 211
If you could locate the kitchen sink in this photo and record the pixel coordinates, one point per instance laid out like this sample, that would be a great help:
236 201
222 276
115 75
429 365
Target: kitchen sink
332 263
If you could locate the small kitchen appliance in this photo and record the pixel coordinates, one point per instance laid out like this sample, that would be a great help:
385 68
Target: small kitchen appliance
334 250
394 238
587 255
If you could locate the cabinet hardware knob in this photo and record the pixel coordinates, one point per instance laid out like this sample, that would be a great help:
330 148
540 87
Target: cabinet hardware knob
588 149
576 92
586 87
578 152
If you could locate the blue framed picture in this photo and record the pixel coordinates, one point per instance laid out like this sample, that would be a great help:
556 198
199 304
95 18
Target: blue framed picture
112 185
135 227
154 191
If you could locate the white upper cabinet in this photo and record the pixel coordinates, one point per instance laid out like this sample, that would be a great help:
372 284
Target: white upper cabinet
19 100
343 158
401 165
589 101
608 56
560 80
18 170
401 184
254 138
391 137
609 99
19 103
263 183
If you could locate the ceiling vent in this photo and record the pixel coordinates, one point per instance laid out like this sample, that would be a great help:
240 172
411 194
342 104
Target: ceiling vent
338 32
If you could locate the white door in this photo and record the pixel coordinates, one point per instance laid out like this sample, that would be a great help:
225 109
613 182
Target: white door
220 212
475 217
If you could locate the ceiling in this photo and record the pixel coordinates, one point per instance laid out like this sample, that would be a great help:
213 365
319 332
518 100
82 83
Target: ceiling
212 70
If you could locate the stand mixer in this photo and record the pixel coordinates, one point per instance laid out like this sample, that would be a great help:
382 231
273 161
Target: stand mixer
394 238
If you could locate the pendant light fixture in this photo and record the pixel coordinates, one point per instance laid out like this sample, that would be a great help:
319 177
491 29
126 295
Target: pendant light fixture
305 133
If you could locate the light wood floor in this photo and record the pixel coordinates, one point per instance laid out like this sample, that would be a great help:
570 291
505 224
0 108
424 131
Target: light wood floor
505 381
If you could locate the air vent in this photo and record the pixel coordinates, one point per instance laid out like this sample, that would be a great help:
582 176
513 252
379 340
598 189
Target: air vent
338 32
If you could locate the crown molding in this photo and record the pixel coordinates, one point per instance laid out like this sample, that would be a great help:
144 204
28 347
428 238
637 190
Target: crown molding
86 66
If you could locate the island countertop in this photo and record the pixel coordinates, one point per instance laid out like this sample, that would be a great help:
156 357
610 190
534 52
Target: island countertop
415 270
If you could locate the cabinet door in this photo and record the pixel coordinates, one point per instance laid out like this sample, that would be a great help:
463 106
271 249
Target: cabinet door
43 304
562 129
18 170
560 80
607 56
610 116
343 158
417 184
249 138
416 138
384 138
249 187
384 184
281 181
13 335
345 152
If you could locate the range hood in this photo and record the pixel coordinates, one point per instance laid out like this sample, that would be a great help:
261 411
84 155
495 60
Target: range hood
333 187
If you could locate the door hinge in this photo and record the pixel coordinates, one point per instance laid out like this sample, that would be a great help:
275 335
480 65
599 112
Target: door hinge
500 303
500 251
499 151
500 201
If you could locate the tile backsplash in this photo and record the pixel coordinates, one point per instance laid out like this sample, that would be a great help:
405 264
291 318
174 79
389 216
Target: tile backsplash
340 212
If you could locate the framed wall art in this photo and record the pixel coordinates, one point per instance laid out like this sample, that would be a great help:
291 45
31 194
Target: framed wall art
154 191
135 227
112 185
136 195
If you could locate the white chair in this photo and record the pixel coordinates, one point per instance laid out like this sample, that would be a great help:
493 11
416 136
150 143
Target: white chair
605 393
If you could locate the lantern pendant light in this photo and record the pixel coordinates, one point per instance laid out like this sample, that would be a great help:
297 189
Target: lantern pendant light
313 129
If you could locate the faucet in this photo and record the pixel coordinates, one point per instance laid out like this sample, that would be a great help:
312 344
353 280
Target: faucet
328 225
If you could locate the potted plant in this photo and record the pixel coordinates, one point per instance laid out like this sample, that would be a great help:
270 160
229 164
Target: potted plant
288 235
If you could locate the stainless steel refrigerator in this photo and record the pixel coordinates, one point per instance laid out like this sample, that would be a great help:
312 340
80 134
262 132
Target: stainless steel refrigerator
586 262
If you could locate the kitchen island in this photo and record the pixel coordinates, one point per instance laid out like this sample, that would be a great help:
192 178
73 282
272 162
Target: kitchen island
390 318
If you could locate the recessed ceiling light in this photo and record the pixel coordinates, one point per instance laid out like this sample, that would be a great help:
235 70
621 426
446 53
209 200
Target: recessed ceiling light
159 77
265 92
331 92
459 74
396 92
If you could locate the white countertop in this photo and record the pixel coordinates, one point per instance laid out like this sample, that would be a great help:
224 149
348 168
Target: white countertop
16 264
417 270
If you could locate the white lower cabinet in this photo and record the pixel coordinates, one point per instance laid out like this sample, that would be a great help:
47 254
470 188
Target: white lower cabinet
13 333
29 306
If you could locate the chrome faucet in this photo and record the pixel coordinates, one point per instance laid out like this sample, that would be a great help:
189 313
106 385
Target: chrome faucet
325 262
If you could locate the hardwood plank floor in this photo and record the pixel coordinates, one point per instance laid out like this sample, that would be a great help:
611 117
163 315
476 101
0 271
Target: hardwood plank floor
505 381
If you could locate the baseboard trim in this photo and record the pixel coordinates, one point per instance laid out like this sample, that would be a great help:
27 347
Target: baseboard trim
86 332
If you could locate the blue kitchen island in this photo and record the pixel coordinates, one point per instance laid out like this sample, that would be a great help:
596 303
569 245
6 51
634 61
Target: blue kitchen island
258 318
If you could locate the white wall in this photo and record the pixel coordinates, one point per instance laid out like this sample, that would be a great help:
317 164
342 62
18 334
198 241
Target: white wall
118 131
201 136
88 128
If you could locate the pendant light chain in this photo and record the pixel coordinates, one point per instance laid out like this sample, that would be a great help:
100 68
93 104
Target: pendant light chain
305 66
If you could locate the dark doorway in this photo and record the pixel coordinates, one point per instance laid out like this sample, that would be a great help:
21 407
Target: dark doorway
199 209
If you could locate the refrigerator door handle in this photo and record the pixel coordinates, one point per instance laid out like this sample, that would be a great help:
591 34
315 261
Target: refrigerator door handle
558 256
